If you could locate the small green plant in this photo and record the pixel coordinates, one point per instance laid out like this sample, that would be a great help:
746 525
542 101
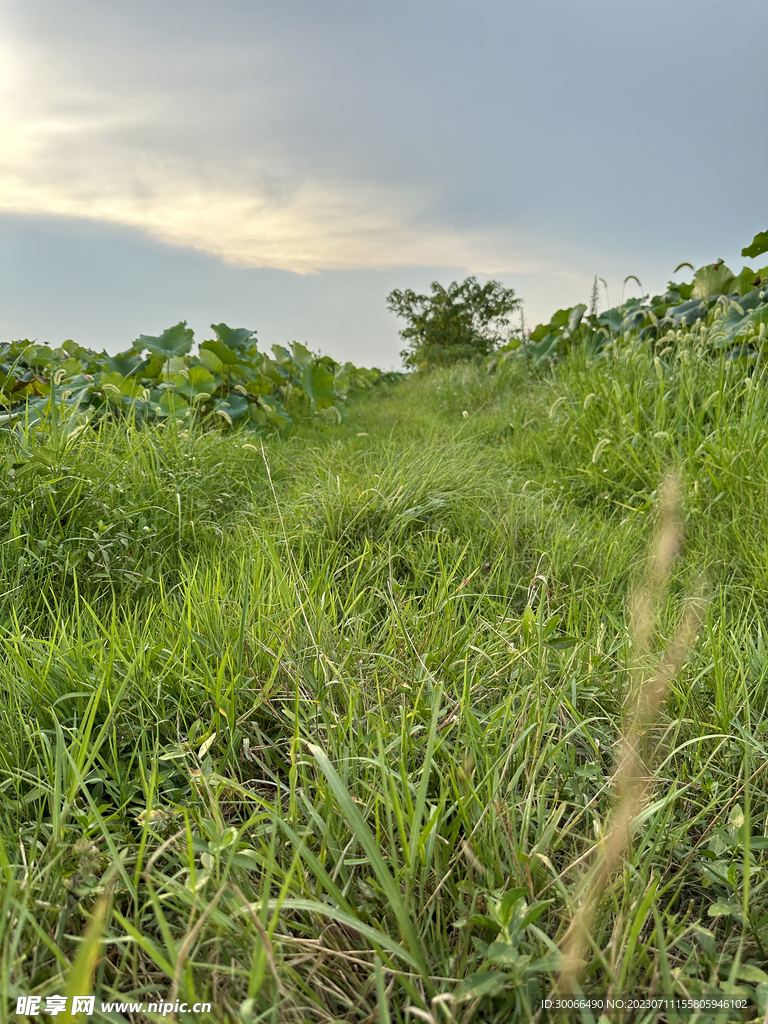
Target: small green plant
464 321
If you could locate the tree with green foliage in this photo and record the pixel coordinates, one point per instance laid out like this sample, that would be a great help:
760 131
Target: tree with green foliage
465 321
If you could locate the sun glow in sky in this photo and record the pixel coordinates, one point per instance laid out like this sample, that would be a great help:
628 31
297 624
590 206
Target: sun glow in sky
139 154
540 141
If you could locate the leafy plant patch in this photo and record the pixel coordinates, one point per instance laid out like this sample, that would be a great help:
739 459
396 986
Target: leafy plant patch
227 380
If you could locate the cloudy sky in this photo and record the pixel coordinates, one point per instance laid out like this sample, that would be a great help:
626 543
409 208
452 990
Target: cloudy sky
283 166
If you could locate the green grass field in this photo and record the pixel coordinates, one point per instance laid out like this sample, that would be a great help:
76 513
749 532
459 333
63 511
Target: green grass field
325 728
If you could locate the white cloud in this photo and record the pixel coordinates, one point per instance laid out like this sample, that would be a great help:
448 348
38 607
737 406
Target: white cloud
154 160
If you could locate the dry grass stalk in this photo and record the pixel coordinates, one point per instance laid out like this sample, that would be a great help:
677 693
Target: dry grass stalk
631 779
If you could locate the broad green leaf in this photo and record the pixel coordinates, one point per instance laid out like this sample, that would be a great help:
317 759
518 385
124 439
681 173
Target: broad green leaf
528 624
196 383
71 367
172 366
678 292
77 351
225 354
272 370
744 282
633 320
235 337
274 411
342 381
257 414
232 408
283 357
175 341
258 385
547 348
561 317
503 952
482 983
301 355
735 326
115 385
555 325
173 404
75 387
574 318
210 360
39 356
127 363
169 403
715 279
504 910
687 312
612 319
758 247
725 908
751 973
317 383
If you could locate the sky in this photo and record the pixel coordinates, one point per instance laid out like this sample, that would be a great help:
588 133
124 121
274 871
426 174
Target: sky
284 166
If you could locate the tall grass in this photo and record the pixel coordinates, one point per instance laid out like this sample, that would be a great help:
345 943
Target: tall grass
328 723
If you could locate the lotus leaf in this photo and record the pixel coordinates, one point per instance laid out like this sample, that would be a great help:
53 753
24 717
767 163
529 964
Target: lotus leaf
744 282
612 319
687 312
172 366
115 386
317 384
228 370
232 408
168 403
175 341
574 319
758 247
546 348
736 326
235 337
127 363
746 303
274 411
633 320
197 383
560 318
342 381
270 369
258 385
301 355
226 355
284 358
76 351
38 356
210 360
712 280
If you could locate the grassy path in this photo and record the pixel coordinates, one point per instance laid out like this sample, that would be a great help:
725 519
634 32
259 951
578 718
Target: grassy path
328 728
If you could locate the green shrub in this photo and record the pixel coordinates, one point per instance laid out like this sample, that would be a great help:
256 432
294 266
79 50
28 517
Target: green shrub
463 322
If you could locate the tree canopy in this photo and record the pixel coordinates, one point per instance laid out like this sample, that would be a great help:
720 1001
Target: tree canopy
465 321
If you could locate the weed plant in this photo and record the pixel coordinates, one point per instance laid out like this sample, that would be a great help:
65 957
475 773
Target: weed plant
325 726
